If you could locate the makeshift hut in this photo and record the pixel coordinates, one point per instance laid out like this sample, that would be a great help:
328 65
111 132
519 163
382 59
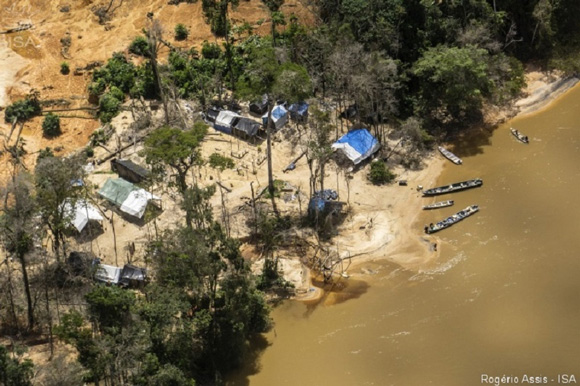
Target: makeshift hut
299 111
129 170
133 276
246 128
81 263
279 117
128 197
212 113
81 213
225 121
349 113
108 274
357 145
259 107
320 208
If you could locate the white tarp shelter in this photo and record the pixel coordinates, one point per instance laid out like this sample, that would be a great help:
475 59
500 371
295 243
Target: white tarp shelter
81 214
108 274
130 198
225 121
136 203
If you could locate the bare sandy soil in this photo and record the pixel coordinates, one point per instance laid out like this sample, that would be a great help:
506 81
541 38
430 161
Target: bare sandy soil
31 59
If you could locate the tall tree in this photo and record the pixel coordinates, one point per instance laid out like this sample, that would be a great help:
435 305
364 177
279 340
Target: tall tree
155 42
178 150
57 182
275 16
17 230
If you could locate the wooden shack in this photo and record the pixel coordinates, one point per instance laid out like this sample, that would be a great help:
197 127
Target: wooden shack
129 170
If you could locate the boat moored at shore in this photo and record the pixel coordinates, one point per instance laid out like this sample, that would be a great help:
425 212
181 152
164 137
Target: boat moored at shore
437 205
456 187
450 156
432 228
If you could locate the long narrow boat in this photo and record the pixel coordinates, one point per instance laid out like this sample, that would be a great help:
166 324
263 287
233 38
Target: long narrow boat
432 228
440 204
454 187
450 156
519 136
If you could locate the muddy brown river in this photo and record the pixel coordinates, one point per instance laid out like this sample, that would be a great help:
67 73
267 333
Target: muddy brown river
502 300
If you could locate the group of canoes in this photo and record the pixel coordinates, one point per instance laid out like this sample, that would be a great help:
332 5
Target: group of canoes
455 187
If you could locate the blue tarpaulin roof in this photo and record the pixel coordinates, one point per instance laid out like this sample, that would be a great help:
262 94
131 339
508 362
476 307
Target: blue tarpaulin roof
279 116
357 145
299 108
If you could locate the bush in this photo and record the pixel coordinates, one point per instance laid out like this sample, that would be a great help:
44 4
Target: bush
181 32
218 161
117 94
380 173
139 46
210 50
51 125
64 68
22 110
108 107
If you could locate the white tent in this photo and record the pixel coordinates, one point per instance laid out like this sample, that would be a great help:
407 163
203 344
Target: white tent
108 274
224 121
81 214
130 198
136 202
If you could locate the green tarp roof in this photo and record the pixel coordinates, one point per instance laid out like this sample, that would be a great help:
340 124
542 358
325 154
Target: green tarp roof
116 190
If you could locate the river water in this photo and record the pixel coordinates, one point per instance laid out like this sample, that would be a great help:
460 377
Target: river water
502 299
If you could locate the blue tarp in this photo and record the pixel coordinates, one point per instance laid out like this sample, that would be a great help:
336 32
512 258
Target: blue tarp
357 145
298 111
316 204
279 116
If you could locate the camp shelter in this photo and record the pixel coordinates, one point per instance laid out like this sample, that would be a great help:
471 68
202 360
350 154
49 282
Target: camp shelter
108 274
279 117
128 197
246 128
259 107
133 276
80 213
299 111
320 207
357 145
225 120
81 263
212 113
129 170
350 112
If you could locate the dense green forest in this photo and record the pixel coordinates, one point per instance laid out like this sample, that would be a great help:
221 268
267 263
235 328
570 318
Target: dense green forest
425 68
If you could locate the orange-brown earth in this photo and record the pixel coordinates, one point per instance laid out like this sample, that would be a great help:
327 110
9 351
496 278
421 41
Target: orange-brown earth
31 59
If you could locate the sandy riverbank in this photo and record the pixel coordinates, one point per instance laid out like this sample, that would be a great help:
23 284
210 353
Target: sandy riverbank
395 235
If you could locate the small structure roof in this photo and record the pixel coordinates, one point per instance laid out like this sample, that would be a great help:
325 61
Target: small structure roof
130 166
298 111
225 120
128 197
357 145
279 116
81 213
108 274
248 126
